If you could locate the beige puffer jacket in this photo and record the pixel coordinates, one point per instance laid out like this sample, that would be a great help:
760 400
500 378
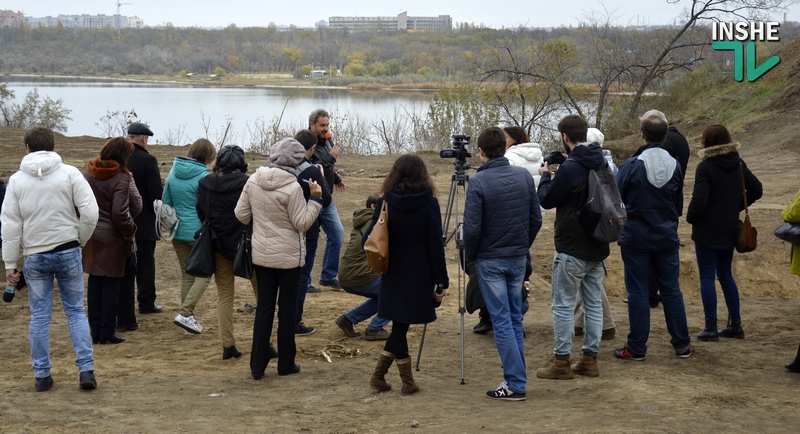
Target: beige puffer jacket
274 200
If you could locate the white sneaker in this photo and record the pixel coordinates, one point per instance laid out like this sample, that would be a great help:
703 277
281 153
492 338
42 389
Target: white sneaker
188 323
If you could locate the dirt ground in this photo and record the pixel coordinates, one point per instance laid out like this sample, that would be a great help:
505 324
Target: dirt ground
161 380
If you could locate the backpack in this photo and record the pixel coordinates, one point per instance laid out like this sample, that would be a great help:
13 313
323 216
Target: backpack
603 216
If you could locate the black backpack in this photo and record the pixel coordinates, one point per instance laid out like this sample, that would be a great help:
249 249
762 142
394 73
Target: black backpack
603 216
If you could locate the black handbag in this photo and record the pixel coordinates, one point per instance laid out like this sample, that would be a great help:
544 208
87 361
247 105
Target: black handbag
243 261
201 261
789 232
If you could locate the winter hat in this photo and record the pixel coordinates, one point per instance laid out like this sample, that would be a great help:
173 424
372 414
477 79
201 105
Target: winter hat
139 129
288 152
593 135
232 157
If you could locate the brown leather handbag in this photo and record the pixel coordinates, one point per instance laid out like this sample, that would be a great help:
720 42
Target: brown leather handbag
747 239
377 245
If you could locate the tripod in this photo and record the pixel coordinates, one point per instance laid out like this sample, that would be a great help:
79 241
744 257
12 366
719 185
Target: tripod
459 179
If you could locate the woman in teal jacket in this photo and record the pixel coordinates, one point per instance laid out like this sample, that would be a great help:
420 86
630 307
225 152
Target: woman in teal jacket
180 192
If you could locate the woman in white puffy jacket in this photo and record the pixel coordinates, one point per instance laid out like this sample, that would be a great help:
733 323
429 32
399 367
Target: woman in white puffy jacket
520 152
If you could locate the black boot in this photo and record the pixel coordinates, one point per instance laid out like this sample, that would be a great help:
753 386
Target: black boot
733 329
709 334
794 366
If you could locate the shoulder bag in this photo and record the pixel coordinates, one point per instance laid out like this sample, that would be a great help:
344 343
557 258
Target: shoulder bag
747 239
789 232
377 245
166 217
201 261
243 261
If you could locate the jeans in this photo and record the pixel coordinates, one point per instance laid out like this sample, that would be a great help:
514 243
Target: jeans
334 232
500 280
305 276
570 277
709 263
666 266
369 307
146 274
40 269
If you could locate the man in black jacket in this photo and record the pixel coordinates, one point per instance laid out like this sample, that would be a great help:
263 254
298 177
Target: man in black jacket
325 154
146 175
578 263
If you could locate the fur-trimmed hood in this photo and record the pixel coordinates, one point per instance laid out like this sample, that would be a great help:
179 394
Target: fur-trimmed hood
716 151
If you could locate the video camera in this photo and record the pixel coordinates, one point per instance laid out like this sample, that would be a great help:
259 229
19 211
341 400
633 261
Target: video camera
459 151
555 157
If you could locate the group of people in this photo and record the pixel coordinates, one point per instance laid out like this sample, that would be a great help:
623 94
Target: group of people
103 222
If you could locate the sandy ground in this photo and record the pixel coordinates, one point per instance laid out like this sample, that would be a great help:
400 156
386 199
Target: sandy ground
161 380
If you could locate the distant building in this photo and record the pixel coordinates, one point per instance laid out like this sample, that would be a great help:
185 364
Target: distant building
400 22
11 18
85 21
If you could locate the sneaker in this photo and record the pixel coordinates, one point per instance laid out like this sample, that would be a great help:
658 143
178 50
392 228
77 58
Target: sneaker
685 353
347 327
503 393
626 354
188 333
332 283
188 323
302 330
376 335
313 290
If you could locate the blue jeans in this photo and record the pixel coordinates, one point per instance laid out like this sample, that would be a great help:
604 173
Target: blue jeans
334 232
709 263
40 269
666 266
570 277
500 280
368 307
305 277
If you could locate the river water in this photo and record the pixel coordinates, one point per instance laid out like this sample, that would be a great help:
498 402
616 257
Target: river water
194 112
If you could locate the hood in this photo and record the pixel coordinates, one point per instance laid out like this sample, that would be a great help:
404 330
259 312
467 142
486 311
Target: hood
225 183
658 164
362 216
102 169
186 168
408 200
725 156
40 163
529 151
588 154
274 177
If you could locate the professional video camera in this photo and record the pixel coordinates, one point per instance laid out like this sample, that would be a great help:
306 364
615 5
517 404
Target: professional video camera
459 151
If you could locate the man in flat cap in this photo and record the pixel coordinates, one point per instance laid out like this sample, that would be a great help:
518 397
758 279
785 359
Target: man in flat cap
146 175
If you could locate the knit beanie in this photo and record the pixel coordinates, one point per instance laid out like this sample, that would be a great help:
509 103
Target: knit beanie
232 157
288 152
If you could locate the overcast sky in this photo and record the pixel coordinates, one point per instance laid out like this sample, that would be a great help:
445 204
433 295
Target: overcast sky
246 13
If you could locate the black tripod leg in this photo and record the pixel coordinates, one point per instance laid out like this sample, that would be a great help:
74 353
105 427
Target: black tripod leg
421 343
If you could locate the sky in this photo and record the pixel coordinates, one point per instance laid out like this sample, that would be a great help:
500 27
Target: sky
249 13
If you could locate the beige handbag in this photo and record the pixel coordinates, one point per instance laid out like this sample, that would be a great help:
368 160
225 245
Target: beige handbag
377 245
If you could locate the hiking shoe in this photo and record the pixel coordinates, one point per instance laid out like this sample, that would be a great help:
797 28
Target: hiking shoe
687 352
188 323
332 283
503 393
376 335
313 290
626 354
302 330
347 327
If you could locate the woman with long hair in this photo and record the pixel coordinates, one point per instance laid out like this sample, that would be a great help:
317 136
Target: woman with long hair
273 200
416 263
714 215
112 241
180 192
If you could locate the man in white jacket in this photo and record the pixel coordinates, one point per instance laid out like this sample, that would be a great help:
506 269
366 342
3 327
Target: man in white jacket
50 212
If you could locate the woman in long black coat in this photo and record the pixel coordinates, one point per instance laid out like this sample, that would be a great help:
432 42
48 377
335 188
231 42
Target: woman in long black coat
416 263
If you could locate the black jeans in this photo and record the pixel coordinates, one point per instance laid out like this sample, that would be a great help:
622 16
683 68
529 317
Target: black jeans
279 285
146 274
126 298
101 300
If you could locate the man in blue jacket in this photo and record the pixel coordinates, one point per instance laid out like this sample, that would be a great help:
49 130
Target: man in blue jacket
578 263
651 185
501 220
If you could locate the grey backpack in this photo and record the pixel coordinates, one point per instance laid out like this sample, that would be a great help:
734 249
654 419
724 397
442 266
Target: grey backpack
603 216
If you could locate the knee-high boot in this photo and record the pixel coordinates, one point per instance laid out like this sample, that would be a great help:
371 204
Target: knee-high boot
378 380
795 366
409 386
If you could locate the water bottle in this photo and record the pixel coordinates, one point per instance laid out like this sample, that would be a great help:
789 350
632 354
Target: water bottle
8 294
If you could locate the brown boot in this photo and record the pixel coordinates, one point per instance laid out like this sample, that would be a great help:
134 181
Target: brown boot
378 382
409 386
587 366
557 369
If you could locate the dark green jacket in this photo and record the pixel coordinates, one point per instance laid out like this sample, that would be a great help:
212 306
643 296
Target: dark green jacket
353 269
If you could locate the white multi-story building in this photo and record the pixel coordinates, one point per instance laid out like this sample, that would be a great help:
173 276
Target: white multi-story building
400 22
85 21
